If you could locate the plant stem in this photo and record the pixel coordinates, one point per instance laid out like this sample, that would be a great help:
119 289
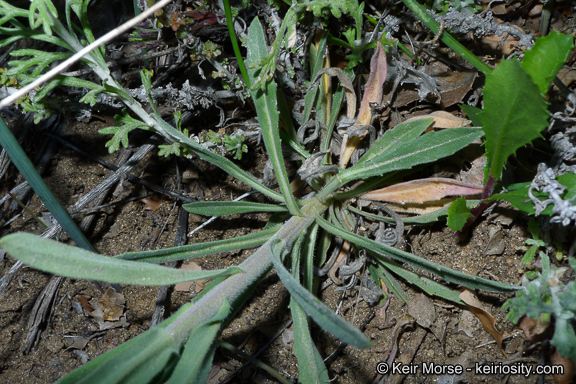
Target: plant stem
234 40
237 288
446 37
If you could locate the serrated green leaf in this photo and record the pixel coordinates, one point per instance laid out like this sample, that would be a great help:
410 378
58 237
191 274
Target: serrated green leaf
518 195
336 7
46 14
121 132
222 208
545 59
474 114
458 214
65 260
514 114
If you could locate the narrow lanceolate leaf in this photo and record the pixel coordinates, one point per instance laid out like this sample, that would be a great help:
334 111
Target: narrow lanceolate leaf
322 315
221 208
429 286
397 136
450 275
28 171
65 260
190 251
267 110
147 354
514 114
424 149
546 58
310 364
423 190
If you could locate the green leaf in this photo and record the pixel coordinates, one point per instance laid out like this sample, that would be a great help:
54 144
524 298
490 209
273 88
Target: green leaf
201 249
267 110
222 208
450 275
397 136
545 59
517 195
65 260
196 360
121 132
458 214
423 149
514 114
429 286
390 281
336 7
474 114
564 338
311 366
45 17
146 354
322 315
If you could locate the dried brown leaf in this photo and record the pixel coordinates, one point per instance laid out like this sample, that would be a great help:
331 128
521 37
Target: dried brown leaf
423 190
534 330
372 94
187 285
487 320
112 305
569 373
442 119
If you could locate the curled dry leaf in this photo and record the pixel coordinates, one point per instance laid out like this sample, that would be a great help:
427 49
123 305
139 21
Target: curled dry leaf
487 320
423 190
372 94
452 85
442 119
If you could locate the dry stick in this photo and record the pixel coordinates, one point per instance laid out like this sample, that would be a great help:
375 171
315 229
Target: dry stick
83 52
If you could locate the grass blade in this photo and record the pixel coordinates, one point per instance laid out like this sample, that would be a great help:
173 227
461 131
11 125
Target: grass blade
26 168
